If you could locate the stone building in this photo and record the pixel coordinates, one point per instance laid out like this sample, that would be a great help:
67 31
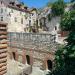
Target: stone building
52 24
18 16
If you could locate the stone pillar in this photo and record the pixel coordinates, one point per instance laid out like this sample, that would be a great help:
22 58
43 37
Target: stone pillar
3 48
16 56
31 57
31 60
44 65
24 57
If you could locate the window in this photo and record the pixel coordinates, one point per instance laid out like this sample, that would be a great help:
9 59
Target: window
1 2
55 27
29 22
20 13
32 14
9 14
15 19
1 18
1 10
11 11
26 16
21 20
5 10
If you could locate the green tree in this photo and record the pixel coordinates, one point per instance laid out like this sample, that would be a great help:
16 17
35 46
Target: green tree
72 0
58 8
49 4
65 57
73 4
68 21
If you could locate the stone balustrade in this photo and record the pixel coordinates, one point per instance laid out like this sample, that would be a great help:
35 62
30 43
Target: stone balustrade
31 40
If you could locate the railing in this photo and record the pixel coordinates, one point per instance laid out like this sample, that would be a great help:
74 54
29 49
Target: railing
31 40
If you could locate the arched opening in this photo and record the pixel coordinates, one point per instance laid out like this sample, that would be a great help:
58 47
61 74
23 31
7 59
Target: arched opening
49 64
28 59
13 53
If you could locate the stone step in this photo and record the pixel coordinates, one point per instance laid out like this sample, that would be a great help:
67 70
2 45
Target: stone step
3 68
3 51
3 32
2 46
3 64
3 37
3 60
3 72
3 55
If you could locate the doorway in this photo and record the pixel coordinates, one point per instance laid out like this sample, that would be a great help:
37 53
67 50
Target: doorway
28 59
49 64
13 53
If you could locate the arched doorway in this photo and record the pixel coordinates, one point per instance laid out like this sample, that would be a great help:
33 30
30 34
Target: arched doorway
13 53
49 64
28 59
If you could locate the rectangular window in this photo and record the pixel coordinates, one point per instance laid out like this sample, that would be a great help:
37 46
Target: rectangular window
20 13
1 10
5 10
1 2
55 27
15 19
21 20
32 14
29 22
9 14
11 11
1 18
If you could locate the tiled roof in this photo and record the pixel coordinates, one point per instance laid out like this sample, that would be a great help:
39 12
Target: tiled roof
15 5
17 8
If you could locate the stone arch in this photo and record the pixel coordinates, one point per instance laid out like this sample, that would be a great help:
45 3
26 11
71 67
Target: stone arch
49 61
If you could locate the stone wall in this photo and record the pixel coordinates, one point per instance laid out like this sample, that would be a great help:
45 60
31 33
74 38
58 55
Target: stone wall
3 48
38 47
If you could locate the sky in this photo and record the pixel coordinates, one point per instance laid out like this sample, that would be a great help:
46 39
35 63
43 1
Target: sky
37 3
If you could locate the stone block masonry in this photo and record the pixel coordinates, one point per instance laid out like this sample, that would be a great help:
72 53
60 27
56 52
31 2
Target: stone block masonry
34 49
3 48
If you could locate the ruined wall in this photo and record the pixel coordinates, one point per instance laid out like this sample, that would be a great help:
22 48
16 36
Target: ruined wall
32 49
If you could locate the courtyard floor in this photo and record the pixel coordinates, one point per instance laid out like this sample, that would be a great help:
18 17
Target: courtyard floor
17 68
